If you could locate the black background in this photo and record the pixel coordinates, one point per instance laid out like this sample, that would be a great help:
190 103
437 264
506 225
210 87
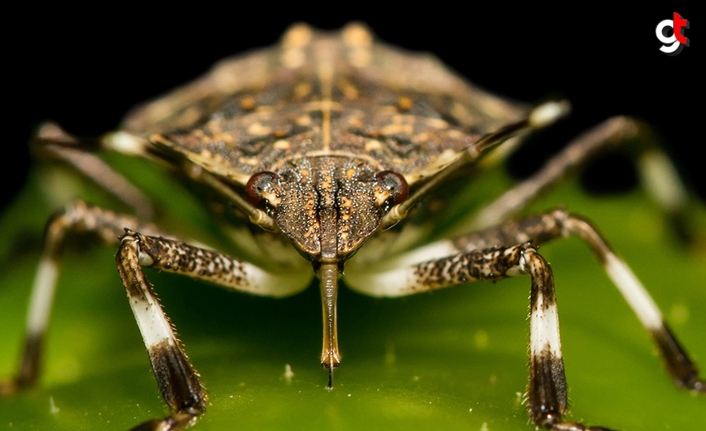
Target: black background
84 68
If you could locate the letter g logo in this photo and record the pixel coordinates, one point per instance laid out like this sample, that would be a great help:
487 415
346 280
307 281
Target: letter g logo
674 43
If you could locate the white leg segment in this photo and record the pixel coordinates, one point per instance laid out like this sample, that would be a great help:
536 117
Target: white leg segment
634 293
544 328
42 296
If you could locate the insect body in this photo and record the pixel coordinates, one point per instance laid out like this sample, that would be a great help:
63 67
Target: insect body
330 146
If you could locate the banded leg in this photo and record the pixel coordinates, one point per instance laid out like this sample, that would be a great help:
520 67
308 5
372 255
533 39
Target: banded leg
77 217
560 224
477 257
176 378
547 396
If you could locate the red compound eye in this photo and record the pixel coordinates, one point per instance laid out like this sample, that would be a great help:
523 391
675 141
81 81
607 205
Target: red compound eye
395 183
259 183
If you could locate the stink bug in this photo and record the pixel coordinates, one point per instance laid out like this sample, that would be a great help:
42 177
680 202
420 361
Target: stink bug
325 143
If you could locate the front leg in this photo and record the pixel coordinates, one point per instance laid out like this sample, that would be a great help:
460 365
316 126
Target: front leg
547 399
547 396
176 377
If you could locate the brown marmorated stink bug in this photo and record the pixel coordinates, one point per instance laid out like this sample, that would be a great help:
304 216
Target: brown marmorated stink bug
337 151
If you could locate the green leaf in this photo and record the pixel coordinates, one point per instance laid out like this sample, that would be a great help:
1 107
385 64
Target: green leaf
451 360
